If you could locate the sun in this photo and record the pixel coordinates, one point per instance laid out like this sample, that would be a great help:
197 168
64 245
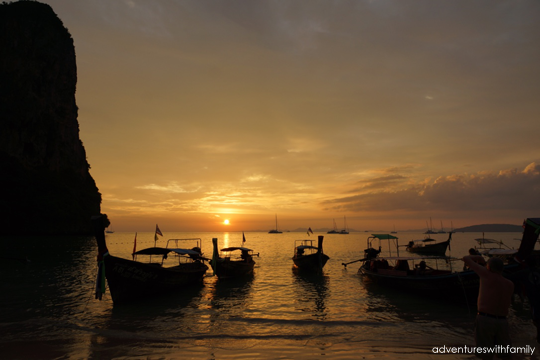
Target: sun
226 222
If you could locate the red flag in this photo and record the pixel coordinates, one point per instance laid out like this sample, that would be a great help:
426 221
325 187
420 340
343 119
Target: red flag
309 231
158 231
134 246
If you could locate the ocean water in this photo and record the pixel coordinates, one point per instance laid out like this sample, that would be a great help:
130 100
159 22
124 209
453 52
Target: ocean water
48 310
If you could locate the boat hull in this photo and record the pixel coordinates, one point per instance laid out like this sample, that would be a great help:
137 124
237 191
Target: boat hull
225 268
313 262
442 284
433 249
131 280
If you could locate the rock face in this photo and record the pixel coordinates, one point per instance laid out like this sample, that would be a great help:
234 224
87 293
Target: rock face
45 184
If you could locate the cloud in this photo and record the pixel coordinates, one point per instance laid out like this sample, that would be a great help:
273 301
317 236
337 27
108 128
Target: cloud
510 190
174 188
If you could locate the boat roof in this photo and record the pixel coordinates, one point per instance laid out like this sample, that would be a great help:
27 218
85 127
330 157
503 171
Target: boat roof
501 252
384 236
415 258
236 248
302 247
488 241
164 251
424 240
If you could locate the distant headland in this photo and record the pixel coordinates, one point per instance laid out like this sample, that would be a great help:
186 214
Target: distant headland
46 187
472 228
491 228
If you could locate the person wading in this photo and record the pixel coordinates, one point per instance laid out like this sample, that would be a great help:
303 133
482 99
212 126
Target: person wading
494 298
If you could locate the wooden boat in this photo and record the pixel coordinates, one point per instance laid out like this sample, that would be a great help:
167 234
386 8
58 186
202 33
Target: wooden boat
232 262
308 257
131 280
422 275
414 274
426 247
275 231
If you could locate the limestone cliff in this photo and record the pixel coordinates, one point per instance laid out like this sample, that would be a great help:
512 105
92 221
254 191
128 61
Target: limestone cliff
45 184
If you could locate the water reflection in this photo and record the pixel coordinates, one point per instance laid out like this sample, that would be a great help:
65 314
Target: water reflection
312 291
156 320
231 295
388 304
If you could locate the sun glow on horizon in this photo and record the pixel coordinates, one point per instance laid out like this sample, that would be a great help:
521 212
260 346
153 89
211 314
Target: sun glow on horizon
226 222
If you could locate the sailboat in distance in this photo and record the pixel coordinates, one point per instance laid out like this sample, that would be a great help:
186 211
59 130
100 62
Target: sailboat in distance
275 231
336 231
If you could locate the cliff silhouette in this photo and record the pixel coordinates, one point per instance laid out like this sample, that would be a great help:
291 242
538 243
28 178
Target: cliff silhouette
45 184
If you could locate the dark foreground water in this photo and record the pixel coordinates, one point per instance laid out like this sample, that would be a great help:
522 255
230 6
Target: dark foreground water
47 308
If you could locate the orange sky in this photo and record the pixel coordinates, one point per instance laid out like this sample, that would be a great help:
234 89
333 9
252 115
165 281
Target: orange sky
387 112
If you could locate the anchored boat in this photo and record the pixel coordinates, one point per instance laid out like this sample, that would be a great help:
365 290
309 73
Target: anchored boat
308 257
232 261
168 269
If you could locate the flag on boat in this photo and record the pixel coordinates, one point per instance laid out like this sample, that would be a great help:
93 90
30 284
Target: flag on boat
158 232
309 231
134 246
243 238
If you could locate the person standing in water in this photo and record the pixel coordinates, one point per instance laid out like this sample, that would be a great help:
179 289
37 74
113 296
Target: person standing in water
494 299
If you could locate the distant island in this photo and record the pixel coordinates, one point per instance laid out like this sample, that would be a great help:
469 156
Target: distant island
472 228
491 228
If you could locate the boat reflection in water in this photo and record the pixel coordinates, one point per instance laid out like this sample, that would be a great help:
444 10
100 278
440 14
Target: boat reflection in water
312 292
232 294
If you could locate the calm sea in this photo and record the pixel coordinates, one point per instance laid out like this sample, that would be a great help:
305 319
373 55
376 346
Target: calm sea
47 308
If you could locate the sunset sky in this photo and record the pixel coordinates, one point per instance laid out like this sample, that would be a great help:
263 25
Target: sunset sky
387 112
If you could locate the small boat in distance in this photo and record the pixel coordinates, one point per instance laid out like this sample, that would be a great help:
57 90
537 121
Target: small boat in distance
232 262
336 231
275 231
442 229
132 280
430 228
109 231
427 247
308 257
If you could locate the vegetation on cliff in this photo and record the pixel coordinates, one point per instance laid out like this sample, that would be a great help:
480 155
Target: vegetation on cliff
46 187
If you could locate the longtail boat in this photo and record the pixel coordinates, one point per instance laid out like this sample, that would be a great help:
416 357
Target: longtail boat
422 275
308 257
428 246
232 261
131 280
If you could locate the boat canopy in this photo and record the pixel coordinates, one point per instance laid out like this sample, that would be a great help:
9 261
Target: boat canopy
303 247
384 236
241 248
164 251
424 240
501 252
185 251
488 241
419 258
